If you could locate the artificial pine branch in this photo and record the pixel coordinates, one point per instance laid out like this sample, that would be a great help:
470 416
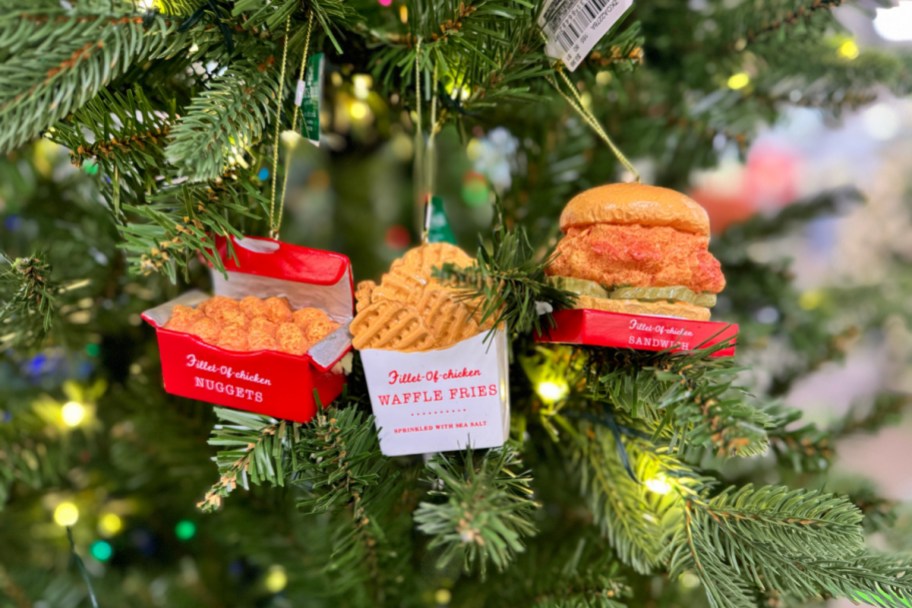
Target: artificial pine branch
253 449
687 400
31 306
181 219
807 13
30 454
487 513
634 520
340 468
224 120
42 85
509 281
798 543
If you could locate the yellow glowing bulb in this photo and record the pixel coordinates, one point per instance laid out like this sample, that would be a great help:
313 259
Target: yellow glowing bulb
738 81
551 391
659 485
73 413
848 49
66 514
110 524
442 597
358 110
276 579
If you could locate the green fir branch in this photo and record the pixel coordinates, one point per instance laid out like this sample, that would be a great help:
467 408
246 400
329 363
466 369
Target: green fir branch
510 282
340 469
635 520
687 400
797 543
30 309
341 463
30 454
183 8
224 120
181 220
487 513
252 449
44 83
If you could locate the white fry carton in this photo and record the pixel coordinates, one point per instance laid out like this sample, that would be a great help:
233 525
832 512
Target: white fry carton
441 400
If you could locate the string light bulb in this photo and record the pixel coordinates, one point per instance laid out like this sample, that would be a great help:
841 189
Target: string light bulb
73 413
738 81
276 579
552 391
101 550
358 110
110 524
66 514
658 484
848 49
185 530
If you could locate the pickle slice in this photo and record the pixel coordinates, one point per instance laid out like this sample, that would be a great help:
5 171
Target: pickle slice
579 286
677 293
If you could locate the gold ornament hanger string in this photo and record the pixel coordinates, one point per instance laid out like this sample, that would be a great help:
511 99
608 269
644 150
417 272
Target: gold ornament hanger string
576 102
294 124
425 151
273 227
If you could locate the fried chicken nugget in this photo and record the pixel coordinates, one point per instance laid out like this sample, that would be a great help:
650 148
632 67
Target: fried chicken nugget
278 310
315 324
206 329
183 318
233 337
291 339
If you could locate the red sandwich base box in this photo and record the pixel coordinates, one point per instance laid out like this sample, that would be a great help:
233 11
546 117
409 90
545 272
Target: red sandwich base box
266 382
441 400
639 332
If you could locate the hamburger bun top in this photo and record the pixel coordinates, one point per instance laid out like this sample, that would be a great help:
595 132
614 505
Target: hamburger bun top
635 204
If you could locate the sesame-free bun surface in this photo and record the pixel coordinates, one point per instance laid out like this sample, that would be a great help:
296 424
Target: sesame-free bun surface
635 204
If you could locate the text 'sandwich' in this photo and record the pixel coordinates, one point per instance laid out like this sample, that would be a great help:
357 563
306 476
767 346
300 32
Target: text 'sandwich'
637 249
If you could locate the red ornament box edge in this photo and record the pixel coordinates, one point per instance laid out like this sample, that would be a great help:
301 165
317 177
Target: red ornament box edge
639 332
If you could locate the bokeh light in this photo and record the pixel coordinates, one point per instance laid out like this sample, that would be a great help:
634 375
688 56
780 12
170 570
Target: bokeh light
66 514
276 579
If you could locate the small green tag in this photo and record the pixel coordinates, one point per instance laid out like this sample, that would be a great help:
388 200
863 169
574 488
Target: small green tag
308 98
436 223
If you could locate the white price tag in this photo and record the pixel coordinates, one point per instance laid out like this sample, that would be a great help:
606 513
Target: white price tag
574 27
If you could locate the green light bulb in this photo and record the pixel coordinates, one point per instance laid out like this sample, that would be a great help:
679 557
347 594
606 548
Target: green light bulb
101 550
185 529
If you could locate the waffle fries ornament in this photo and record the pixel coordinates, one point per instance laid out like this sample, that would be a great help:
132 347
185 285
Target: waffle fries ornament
435 383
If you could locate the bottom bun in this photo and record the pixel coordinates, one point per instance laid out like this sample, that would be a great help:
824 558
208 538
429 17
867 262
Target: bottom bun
681 310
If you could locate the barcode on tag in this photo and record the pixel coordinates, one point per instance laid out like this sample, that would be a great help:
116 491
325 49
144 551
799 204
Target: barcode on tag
574 27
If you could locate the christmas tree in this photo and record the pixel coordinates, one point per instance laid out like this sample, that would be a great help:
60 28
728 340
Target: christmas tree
138 134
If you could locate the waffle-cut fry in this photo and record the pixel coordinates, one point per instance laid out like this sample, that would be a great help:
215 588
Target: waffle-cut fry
390 326
364 295
412 311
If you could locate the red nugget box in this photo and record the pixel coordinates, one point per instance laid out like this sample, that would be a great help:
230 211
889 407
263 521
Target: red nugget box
639 332
266 381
